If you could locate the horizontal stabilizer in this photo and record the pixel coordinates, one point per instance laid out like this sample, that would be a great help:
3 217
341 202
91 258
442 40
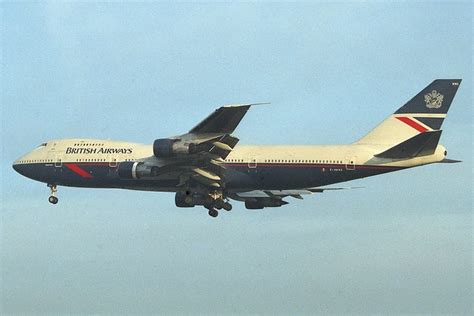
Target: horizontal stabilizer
422 144
445 160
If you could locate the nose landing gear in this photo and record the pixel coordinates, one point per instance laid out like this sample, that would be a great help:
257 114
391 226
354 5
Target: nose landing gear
53 199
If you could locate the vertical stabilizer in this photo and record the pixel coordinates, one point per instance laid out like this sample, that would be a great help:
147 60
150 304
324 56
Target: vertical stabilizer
424 112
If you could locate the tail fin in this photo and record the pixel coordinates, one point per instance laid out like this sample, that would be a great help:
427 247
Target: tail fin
424 112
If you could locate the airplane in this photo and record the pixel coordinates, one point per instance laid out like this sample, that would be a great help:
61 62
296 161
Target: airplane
205 167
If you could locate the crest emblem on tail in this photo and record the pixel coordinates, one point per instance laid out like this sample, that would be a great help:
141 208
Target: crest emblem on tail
434 100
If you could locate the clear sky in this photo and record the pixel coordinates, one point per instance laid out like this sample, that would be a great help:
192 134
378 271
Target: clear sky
141 71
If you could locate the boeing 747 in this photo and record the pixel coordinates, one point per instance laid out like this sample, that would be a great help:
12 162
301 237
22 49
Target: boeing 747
206 166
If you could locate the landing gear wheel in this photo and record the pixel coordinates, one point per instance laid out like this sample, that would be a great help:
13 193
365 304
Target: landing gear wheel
53 199
227 206
213 212
218 204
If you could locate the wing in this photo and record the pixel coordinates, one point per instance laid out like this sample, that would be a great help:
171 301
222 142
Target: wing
211 143
224 120
285 193
273 198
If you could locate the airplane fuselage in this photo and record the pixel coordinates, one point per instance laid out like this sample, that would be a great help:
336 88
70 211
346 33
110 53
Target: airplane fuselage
94 163
208 167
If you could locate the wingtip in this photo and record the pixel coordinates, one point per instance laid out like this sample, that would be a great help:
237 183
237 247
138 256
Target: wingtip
244 105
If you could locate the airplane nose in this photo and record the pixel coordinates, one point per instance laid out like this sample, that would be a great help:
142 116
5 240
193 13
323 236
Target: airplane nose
17 168
21 169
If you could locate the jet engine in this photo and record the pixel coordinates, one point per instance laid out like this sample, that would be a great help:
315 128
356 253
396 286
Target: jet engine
259 203
168 147
136 170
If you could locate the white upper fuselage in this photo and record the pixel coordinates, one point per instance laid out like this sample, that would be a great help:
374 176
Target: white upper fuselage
113 152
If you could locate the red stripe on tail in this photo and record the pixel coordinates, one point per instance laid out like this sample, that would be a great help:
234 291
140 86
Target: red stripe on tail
412 123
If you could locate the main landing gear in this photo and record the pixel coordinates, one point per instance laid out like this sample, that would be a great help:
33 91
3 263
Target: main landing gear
213 201
218 202
53 199
218 205
213 212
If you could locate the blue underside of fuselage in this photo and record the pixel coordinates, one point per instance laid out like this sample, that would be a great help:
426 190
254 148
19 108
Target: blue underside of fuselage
238 177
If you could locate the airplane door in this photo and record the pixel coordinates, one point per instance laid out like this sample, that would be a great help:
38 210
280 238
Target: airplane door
252 165
113 162
58 160
350 163
55 159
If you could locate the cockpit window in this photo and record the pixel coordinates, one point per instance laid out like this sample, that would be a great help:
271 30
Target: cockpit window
41 146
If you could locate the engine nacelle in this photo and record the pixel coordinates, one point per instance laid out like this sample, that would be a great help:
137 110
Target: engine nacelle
167 147
259 203
136 170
